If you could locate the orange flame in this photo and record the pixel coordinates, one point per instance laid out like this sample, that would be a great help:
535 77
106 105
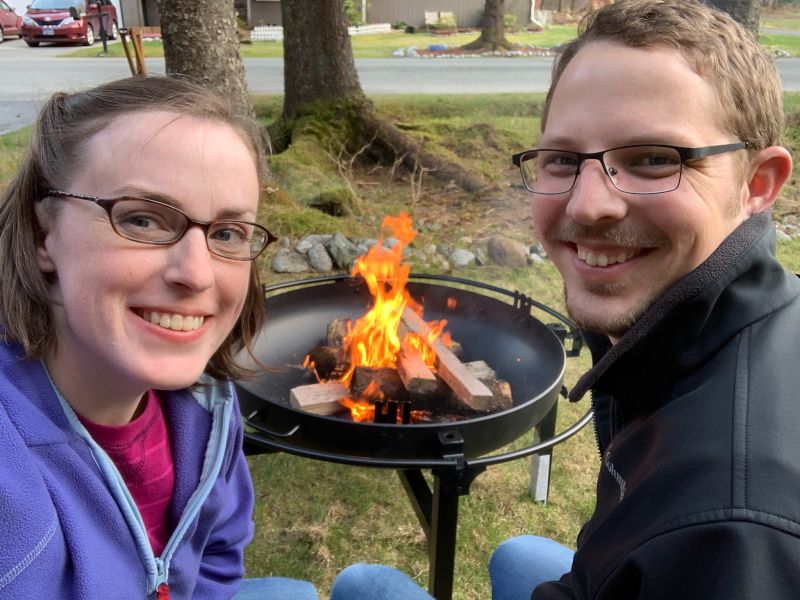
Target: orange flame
374 340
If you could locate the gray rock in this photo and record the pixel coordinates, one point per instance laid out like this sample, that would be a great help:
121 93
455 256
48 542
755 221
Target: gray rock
461 258
308 242
506 252
782 236
480 257
538 249
430 249
289 261
342 251
319 259
535 259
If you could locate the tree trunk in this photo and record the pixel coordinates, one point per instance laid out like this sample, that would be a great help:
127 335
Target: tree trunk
320 78
746 12
493 33
201 40
318 59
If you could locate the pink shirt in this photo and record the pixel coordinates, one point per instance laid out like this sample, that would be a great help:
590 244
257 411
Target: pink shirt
141 452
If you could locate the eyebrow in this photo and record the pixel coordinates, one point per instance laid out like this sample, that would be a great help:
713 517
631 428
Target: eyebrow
669 139
224 215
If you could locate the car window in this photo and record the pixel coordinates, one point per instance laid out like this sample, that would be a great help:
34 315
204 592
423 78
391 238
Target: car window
56 4
4 6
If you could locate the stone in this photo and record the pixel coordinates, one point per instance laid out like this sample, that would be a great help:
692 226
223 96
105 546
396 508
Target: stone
319 259
480 257
342 251
461 258
506 252
289 261
304 245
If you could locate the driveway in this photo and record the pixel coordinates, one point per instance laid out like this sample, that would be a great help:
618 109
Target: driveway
31 74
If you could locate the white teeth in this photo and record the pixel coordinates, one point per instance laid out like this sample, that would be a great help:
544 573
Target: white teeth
601 259
173 321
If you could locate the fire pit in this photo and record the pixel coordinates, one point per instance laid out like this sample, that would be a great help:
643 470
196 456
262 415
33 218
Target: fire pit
490 323
521 349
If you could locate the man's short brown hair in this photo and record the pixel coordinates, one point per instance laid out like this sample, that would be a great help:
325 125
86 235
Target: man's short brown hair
745 79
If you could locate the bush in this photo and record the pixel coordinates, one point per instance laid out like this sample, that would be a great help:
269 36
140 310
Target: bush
510 22
399 25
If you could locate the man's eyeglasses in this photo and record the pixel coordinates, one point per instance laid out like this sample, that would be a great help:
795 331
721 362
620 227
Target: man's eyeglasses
637 169
154 222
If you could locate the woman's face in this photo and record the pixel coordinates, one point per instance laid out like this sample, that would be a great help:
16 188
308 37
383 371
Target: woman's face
130 316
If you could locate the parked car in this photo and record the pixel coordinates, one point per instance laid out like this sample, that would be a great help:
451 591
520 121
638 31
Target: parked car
10 22
76 21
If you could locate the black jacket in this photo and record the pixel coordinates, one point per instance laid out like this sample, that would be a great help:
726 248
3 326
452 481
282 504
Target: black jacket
698 425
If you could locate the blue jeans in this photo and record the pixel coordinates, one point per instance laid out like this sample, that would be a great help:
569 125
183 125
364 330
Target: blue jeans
275 588
517 566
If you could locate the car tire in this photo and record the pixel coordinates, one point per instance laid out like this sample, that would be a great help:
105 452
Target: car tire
114 31
89 36
2 34
32 44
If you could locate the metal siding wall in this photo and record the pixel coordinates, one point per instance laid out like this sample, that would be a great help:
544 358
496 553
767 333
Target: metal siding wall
265 13
468 12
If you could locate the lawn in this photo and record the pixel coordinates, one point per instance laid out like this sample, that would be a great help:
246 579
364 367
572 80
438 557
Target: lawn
364 46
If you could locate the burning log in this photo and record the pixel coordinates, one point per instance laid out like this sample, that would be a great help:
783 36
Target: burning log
464 384
337 330
501 389
377 383
417 377
327 361
319 398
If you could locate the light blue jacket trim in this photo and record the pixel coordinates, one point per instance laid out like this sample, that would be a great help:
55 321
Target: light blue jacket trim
217 398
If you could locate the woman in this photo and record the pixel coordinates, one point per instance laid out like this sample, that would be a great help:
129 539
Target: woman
126 246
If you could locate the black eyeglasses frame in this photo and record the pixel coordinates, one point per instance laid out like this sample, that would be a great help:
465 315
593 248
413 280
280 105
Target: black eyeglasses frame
107 204
686 154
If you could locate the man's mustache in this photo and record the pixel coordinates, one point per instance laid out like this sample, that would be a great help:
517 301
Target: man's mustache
619 234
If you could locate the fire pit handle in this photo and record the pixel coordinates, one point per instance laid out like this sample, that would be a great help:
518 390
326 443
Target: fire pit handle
536 448
250 423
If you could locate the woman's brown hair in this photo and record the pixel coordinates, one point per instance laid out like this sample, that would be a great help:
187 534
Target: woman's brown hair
57 149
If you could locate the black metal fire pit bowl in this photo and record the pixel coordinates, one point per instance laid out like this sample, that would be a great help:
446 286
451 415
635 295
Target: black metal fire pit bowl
521 349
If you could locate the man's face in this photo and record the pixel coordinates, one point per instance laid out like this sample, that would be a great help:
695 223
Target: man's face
618 252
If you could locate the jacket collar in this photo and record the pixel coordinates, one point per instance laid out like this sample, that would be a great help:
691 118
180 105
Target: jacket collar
738 284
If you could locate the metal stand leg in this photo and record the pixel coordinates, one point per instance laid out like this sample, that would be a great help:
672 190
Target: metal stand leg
541 463
437 512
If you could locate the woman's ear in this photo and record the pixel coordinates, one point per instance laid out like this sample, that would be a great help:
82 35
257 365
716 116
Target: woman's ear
768 170
45 219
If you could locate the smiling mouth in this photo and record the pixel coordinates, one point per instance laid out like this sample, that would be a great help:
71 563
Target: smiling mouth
604 259
172 321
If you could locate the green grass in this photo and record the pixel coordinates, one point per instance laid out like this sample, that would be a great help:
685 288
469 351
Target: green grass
364 46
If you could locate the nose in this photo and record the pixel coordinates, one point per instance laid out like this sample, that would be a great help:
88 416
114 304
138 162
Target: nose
594 198
190 263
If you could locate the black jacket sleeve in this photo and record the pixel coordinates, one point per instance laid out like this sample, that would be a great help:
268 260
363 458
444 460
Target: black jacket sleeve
727 560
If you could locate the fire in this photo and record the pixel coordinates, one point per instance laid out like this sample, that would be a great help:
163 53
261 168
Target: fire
374 340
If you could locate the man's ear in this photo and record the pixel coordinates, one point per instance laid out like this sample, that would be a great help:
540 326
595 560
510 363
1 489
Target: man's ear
45 220
768 171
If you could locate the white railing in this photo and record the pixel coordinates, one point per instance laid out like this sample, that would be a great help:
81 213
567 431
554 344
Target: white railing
264 33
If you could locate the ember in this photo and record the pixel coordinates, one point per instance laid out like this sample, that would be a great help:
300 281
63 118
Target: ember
387 360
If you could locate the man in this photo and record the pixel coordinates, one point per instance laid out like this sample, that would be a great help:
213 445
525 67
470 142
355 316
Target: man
666 249
652 186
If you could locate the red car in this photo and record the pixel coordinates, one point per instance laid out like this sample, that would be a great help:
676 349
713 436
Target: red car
76 21
10 22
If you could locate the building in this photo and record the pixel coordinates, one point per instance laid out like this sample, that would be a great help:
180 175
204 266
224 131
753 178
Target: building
468 13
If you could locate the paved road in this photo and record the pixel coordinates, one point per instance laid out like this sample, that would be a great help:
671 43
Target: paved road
31 74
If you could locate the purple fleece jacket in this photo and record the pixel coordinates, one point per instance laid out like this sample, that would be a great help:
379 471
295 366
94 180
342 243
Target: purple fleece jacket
68 526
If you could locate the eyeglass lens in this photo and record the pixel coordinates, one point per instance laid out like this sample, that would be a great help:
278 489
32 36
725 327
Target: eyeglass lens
152 223
636 169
